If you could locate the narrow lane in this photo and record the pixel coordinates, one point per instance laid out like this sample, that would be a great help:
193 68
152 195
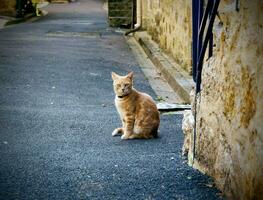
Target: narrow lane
57 114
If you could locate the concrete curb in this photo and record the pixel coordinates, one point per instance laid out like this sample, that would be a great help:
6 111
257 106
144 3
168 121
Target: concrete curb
162 89
30 17
3 21
60 1
20 20
178 79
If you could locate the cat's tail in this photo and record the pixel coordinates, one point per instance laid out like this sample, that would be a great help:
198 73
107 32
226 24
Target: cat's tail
155 133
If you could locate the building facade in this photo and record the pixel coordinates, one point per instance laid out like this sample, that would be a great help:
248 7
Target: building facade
229 110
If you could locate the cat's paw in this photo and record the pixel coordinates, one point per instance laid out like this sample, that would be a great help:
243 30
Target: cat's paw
124 137
117 131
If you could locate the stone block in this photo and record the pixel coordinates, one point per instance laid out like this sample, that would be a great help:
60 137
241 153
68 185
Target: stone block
8 7
120 12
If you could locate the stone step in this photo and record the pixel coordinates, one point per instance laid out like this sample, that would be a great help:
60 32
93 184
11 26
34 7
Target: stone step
178 79
59 1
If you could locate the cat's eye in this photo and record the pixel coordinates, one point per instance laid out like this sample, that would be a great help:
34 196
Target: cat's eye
118 85
126 85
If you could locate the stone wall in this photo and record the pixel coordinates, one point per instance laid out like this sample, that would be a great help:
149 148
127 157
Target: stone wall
7 7
230 106
120 13
169 24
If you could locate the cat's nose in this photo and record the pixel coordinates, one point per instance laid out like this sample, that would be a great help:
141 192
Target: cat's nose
123 89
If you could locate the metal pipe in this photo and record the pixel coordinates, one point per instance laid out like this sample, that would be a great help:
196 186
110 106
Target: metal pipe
202 52
211 11
138 13
19 8
138 17
197 14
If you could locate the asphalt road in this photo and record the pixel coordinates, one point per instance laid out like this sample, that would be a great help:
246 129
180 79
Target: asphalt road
57 115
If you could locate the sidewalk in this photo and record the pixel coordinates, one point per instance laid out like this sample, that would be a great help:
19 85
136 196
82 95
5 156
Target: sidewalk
57 115
180 81
6 20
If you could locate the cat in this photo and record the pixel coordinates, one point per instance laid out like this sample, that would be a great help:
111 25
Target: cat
138 112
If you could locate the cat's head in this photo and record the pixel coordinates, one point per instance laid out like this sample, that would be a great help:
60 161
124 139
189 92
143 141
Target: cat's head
122 84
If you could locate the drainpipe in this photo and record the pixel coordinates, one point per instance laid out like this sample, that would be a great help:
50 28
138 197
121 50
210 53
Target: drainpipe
20 8
138 18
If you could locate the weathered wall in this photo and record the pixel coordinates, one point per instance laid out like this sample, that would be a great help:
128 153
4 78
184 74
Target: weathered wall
230 109
120 12
7 7
169 24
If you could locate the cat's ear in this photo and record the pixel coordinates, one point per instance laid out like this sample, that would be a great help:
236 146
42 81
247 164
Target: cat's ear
114 76
130 75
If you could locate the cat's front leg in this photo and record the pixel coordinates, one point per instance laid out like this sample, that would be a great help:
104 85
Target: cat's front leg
128 127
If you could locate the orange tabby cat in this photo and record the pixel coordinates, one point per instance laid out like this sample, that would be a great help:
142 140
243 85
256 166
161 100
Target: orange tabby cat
138 112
